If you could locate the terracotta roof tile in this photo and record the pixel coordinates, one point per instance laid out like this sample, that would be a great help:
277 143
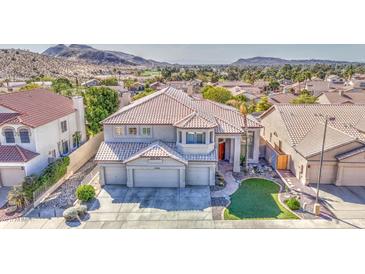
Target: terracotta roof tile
15 154
172 106
37 107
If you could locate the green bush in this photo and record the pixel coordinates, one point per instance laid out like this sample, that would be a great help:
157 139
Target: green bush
85 193
49 177
293 203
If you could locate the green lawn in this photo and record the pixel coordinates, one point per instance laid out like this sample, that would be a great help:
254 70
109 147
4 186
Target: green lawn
257 199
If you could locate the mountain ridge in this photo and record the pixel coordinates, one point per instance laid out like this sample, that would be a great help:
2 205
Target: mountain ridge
92 55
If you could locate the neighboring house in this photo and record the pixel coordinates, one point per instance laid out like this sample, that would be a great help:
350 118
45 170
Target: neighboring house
358 81
281 98
297 132
91 83
316 87
37 127
169 139
335 79
342 97
189 87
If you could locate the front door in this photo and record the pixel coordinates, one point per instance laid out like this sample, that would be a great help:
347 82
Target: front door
221 148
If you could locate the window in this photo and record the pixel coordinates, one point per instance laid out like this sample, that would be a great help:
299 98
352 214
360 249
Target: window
118 130
63 126
146 131
132 131
195 137
250 139
270 137
180 137
76 138
24 136
9 136
211 137
64 147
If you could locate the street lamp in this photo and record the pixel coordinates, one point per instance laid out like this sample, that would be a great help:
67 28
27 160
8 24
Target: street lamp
317 206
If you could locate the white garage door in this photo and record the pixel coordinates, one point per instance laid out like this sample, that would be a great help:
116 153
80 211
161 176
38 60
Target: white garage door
156 178
115 175
12 176
198 176
353 176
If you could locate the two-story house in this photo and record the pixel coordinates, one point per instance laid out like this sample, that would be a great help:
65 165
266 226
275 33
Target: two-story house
170 139
36 127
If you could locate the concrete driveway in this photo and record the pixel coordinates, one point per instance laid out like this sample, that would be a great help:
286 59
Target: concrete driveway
345 202
119 203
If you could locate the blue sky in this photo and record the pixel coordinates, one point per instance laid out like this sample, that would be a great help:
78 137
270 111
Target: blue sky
223 54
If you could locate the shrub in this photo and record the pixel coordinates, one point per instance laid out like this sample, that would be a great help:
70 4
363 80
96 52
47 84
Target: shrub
49 177
85 193
293 203
70 214
17 197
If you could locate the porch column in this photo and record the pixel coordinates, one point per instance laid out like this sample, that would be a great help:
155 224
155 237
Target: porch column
130 177
236 154
231 150
102 175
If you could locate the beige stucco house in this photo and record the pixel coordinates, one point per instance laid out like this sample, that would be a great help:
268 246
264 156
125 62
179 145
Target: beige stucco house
170 139
297 131
36 127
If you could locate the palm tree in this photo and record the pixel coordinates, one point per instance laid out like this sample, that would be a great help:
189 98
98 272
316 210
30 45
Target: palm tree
233 103
244 112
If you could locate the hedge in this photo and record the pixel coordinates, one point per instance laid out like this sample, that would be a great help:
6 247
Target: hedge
49 177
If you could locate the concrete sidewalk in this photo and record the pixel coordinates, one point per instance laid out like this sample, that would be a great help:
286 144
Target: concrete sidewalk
59 223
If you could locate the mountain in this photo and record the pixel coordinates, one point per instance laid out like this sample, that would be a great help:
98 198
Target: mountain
91 55
272 61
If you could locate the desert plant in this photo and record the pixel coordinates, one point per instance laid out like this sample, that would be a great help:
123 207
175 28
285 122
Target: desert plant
81 209
293 203
17 197
70 214
85 193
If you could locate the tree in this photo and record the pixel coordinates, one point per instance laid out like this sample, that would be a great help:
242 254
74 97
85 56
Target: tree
263 104
30 86
244 112
100 102
61 84
217 94
304 98
274 85
129 82
111 81
146 92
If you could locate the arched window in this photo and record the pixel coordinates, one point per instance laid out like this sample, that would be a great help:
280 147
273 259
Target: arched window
24 136
9 136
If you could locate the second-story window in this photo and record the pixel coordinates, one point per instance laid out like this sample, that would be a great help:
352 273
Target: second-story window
180 137
211 137
132 131
119 131
195 137
63 126
24 136
146 131
9 136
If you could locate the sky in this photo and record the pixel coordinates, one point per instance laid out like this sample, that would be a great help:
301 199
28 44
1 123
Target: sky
224 54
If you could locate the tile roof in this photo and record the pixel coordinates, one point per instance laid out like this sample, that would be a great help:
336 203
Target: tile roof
311 143
350 153
345 97
15 154
38 106
122 151
299 120
171 106
282 98
8 117
157 149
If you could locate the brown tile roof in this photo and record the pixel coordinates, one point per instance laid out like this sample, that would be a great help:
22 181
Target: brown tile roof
122 151
8 117
37 107
15 154
345 97
171 106
282 98
304 124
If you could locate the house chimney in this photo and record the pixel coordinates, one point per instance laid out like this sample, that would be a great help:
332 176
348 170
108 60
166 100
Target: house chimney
190 90
78 103
125 99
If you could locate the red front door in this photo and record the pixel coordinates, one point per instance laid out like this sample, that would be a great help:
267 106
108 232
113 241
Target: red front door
221 147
